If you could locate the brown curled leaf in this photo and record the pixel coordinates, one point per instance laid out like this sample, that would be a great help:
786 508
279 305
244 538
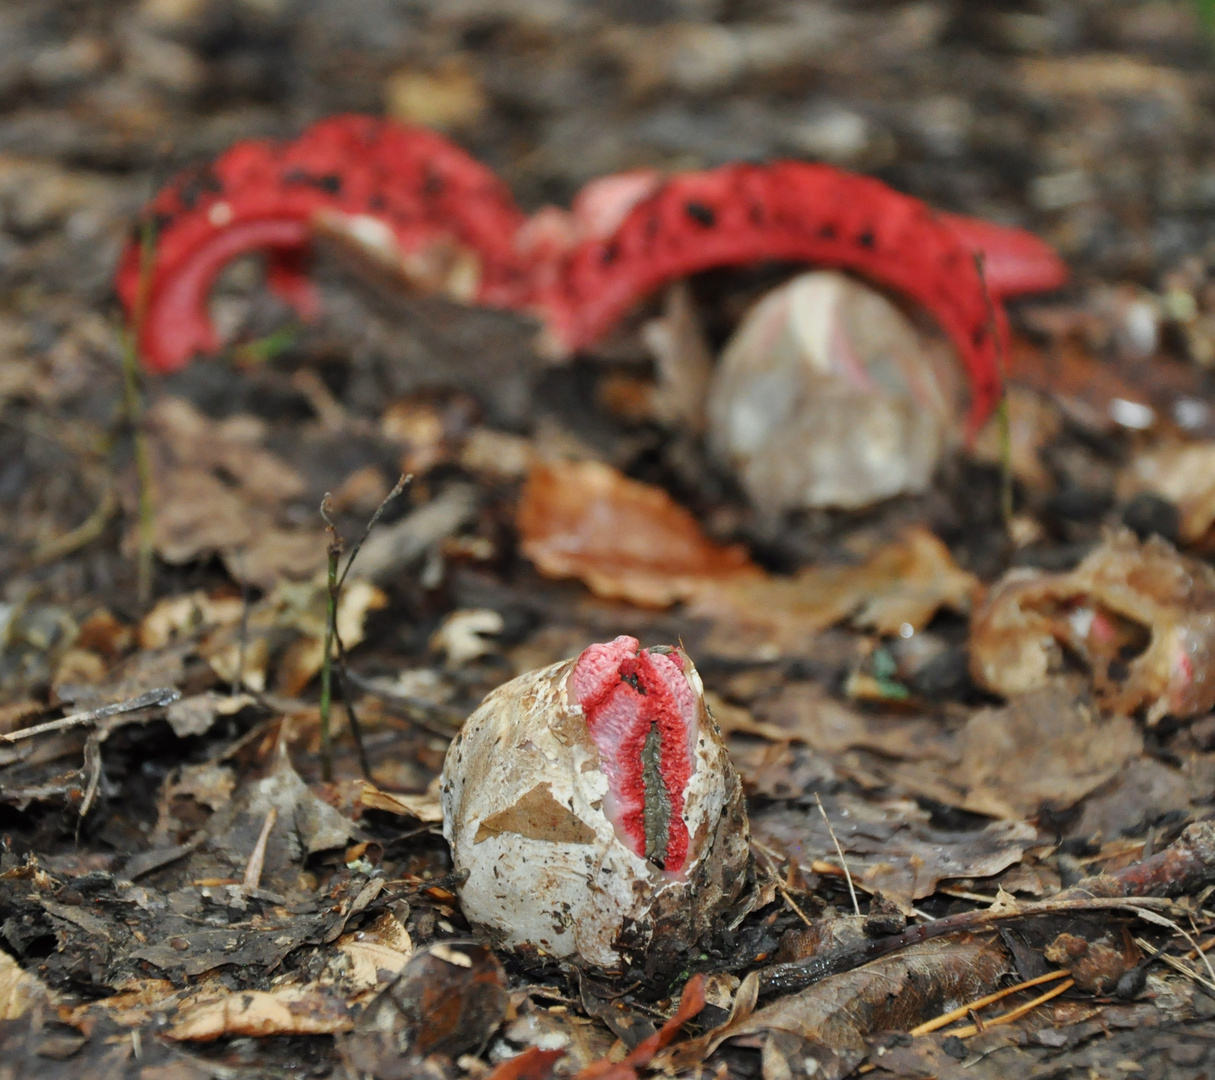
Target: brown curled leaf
1140 615
624 539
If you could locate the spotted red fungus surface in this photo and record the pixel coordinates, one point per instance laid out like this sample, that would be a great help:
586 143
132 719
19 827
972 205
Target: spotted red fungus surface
403 190
641 713
416 200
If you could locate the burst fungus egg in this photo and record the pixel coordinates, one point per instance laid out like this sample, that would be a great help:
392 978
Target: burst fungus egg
595 810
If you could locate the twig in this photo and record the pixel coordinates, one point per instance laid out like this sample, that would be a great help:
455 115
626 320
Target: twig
964 1010
798 974
1175 962
331 604
412 709
1003 412
257 857
335 581
160 697
771 857
242 633
856 907
970 1030
84 533
133 407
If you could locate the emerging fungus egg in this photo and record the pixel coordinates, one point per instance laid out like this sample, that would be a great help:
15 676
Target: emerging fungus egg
595 810
828 395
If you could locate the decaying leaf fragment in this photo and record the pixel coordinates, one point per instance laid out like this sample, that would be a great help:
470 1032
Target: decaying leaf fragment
902 583
447 1000
19 990
286 1010
825 1027
1140 615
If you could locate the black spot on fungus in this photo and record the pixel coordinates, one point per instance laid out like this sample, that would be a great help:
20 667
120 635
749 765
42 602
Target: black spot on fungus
197 184
867 239
377 201
755 213
826 231
701 214
329 183
432 184
610 253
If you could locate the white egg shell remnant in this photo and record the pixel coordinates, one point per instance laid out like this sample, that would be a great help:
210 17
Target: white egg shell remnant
523 810
828 395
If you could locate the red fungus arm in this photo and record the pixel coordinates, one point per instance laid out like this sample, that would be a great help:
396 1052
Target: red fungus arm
789 211
416 188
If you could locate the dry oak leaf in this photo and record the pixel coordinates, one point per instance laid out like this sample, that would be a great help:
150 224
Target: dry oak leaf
624 539
902 583
287 1010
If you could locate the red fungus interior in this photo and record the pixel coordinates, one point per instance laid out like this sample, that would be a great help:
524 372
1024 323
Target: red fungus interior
641 713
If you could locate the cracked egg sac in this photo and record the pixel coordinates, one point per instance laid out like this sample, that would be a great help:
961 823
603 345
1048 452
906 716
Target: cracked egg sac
596 812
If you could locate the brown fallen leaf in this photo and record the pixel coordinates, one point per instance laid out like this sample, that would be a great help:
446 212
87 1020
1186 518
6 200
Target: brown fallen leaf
1141 615
217 490
19 990
1045 748
624 539
1095 395
903 583
377 952
286 1010
447 1000
424 808
891 847
829 1023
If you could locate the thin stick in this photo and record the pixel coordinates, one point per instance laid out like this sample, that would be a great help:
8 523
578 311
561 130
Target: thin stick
1003 413
402 481
133 407
160 697
856 907
770 856
963 1010
797 974
1175 962
970 1030
331 604
335 581
257 857
84 533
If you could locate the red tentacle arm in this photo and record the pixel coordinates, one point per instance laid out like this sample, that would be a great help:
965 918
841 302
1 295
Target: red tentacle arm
407 192
1015 262
788 211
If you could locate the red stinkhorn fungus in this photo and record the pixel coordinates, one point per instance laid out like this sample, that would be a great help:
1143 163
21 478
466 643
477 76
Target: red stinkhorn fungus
793 212
402 191
411 198
596 813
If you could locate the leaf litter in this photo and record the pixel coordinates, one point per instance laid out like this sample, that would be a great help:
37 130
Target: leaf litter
1008 723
